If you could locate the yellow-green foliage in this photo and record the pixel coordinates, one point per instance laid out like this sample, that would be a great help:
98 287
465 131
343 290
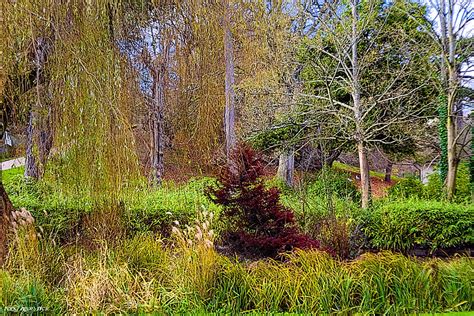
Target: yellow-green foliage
144 275
89 90
92 102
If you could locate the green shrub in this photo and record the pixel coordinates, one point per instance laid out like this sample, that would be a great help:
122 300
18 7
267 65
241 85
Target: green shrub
434 188
410 187
403 225
156 210
59 215
334 183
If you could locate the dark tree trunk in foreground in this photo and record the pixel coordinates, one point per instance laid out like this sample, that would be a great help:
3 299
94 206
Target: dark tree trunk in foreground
6 209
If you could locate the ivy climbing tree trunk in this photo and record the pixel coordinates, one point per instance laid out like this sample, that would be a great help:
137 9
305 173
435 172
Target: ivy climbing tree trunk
452 110
443 138
443 107
229 117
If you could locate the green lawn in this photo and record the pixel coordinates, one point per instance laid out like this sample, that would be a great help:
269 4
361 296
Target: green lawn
6 175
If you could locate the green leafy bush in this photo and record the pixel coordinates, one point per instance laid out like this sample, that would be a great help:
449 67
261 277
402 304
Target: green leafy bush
434 188
335 183
403 225
156 210
59 215
410 187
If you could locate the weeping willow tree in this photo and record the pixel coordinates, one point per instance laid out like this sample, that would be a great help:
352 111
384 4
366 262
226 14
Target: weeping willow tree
268 82
198 102
90 89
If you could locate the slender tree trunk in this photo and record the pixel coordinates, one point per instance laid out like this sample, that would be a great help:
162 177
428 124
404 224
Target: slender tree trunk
286 167
363 161
31 165
364 175
31 168
388 172
45 142
6 209
452 113
471 162
229 117
157 131
452 161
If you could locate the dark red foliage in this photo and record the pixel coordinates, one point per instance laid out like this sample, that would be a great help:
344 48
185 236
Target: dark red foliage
260 224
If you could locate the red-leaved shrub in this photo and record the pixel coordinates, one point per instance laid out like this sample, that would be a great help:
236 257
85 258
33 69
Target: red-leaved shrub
259 224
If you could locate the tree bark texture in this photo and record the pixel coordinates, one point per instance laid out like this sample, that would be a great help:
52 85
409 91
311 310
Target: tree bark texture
363 161
31 168
229 117
364 175
452 111
388 172
286 167
6 209
157 125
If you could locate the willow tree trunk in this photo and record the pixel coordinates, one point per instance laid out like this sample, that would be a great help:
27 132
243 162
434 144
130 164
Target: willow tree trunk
286 167
34 131
31 168
157 130
6 209
229 117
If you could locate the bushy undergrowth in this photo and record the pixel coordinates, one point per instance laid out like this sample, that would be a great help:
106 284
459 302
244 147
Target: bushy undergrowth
141 275
62 216
412 187
427 224
146 273
335 219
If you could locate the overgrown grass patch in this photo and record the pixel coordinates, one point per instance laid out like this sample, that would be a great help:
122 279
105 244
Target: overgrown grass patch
141 275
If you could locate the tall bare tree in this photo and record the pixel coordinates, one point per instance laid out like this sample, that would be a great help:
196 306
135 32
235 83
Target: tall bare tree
229 117
455 39
363 74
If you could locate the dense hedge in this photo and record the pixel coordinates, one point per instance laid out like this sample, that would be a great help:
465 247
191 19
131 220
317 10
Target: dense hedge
403 225
143 210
